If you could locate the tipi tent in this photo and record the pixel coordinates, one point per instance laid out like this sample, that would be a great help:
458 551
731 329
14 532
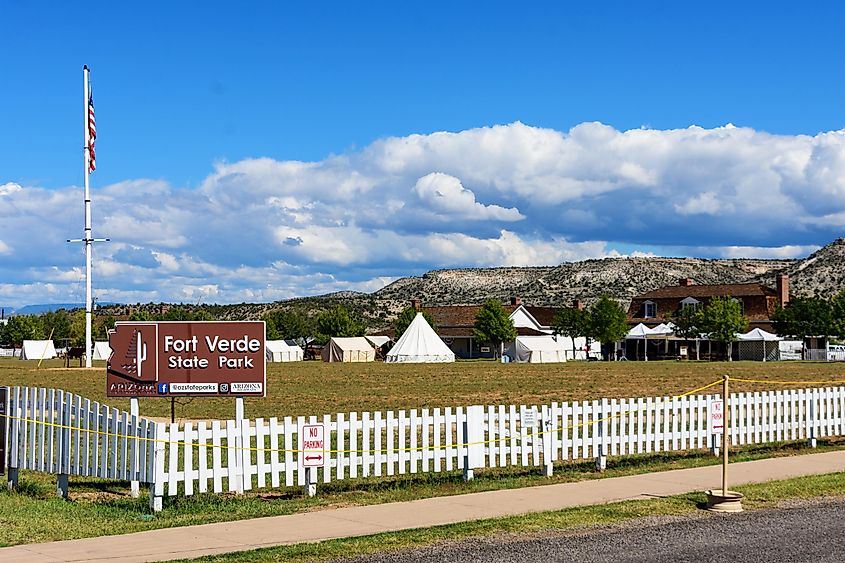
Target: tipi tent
420 344
354 349
537 350
282 351
102 351
38 350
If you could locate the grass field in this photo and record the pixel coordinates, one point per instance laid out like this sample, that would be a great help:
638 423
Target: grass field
306 388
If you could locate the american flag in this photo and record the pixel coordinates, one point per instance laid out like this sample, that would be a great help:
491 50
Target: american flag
92 134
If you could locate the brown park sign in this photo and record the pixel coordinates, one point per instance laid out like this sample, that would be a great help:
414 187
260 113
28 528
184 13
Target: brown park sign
180 359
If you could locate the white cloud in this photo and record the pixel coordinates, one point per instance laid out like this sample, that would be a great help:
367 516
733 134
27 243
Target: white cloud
443 194
261 229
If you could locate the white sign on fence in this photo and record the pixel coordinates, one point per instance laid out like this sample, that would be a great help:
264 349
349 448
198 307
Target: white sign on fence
717 417
312 445
529 417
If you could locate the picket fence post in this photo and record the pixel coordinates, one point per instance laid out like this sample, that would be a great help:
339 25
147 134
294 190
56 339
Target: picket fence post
473 435
157 481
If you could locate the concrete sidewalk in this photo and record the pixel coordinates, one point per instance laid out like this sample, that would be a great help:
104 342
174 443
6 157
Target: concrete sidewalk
194 541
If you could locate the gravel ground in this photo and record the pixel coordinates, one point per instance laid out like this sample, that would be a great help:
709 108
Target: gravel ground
796 531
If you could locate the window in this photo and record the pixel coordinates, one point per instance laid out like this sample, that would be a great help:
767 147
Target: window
690 302
649 310
741 304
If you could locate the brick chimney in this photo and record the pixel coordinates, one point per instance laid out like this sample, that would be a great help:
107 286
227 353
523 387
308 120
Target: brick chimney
578 304
685 282
416 304
783 290
516 301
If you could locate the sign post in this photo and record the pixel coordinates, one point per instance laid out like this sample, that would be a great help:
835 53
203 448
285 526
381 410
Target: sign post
312 449
724 500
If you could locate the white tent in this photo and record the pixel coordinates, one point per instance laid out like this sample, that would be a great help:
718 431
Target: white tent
757 344
378 341
354 349
282 351
420 344
639 332
537 350
102 351
37 350
758 334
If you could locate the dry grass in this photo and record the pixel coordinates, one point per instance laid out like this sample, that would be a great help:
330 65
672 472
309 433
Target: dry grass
316 388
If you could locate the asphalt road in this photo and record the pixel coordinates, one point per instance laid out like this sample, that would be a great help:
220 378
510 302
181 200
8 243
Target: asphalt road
801 531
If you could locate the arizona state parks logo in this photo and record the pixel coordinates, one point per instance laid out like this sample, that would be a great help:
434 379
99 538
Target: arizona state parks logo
134 352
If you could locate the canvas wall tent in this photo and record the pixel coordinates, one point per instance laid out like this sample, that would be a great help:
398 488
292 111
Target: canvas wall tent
282 351
420 344
378 341
355 349
37 350
537 350
102 351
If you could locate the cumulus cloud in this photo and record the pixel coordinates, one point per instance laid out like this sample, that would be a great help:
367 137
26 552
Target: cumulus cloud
444 195
263 229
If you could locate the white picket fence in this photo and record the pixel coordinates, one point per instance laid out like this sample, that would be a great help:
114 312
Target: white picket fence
217 456
58 432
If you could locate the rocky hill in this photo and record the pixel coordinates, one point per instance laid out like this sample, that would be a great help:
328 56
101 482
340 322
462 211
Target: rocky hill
821 274
621 278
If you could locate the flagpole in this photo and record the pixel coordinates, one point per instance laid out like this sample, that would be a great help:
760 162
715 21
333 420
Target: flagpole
87 237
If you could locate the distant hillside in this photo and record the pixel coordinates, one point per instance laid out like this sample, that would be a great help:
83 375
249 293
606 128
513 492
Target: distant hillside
621 278
822 274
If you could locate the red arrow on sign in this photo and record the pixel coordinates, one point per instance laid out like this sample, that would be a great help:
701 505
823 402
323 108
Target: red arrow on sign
317 457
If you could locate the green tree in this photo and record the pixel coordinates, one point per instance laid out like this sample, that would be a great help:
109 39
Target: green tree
102 326
57 323
288 324
571 322
406 317
337 322
722 319
270 330
805 316
688 322
23 327
837 314
608 322
77 327
493 325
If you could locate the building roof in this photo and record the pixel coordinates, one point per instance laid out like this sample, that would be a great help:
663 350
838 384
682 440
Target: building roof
463 316
714 290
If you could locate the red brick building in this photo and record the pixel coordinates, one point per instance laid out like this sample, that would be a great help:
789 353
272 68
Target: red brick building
758 302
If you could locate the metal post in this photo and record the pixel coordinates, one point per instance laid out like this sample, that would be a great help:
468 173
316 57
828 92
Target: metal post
548 436
727 415
133 417
310 482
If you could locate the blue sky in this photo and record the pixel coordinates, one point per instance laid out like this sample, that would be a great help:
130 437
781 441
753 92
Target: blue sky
318 127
